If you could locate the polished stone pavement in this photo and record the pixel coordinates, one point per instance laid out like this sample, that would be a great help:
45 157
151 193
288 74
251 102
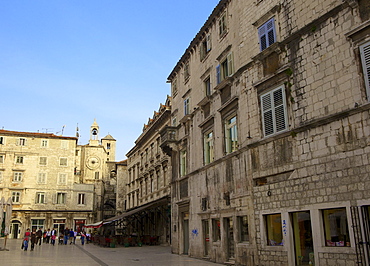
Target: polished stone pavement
92 255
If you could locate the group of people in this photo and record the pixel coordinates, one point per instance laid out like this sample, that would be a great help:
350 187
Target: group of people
49 236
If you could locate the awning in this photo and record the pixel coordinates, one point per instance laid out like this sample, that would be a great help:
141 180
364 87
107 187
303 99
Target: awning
149 205
95 225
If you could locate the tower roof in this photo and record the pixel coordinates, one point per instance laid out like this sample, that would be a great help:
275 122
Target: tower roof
108 137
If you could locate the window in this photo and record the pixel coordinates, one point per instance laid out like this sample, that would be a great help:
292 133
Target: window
183 163
274 114
40 198
186 106
96 175
81 199
174 87
207 86
44 143
336 228
2 158
174 121
64 144
108 146
186 71
37 224
17 176
19 159
365 59
41 178
1 140
62 179
243 228
21 142
267 34
16 197
43 160
274 230
61 198
222 26
225 68
63 161
231 135
216 230
208 147
205 47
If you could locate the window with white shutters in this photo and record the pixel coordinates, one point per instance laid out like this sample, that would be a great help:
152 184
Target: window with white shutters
274 115
365 60
267 34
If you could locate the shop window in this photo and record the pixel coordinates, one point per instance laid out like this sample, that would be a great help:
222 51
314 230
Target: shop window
336 227
274 231
216 226
243 228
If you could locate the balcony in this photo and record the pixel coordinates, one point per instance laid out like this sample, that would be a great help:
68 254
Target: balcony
168 136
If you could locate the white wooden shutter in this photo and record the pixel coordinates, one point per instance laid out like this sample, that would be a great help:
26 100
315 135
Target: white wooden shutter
266 34
365 59
230 64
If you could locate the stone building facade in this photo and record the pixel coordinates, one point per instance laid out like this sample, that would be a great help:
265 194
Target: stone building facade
47 176
270 126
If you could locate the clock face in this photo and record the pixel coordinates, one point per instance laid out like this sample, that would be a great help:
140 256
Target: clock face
93 162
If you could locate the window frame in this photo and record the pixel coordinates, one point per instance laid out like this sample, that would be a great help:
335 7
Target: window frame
40 198
41 178
21 142
17 177
205 46
44 143
225 68
207 86
16 196
267 34
187 106
43 160
231 132
183 162
62 179
365 64
81 198
222 25
268 104
61 159
186 71
61 198
19 159
328 230
209 146
2 140
243 233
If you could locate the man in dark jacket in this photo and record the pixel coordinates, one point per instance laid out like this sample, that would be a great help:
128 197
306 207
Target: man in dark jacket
66 235
39 236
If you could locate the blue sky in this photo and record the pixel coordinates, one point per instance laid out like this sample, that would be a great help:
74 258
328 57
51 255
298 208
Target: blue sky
68 62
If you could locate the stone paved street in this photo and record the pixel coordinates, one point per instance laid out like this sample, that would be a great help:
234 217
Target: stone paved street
92 255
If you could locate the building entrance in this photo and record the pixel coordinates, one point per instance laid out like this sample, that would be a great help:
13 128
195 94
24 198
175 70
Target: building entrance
303 243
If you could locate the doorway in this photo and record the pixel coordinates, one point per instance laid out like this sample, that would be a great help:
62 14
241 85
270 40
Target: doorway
185 227
15 229
205 226
303 243
59 226
229 226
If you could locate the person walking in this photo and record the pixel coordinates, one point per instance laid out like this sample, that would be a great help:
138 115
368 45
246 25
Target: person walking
48 235
66 235
26 239
34 238
38 236
83 238
71 236
53 237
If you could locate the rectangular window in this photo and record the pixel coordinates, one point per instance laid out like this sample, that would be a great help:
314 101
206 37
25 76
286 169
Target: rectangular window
43 160
216 230
174 87
336 228
19 159
225 68
231 135
207 86
208 147
174 121
61 198
62 179
41 178
183 163
1 140
36 224
243 228
186 71
274 111
21 142
365 60
64 144
267 34
17 176
108 146
2 158
96 175
222 25
81 199
205 47
274 230
63 161
40 198
186 106
44 143
16 197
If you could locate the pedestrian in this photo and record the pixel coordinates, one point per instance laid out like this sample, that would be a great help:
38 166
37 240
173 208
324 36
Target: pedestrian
53 237
38 236
71 236
83 238
26 238
61 237
34 238
48 235
88 238
66 235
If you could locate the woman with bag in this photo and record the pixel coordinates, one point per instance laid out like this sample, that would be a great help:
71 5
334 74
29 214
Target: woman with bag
26 238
